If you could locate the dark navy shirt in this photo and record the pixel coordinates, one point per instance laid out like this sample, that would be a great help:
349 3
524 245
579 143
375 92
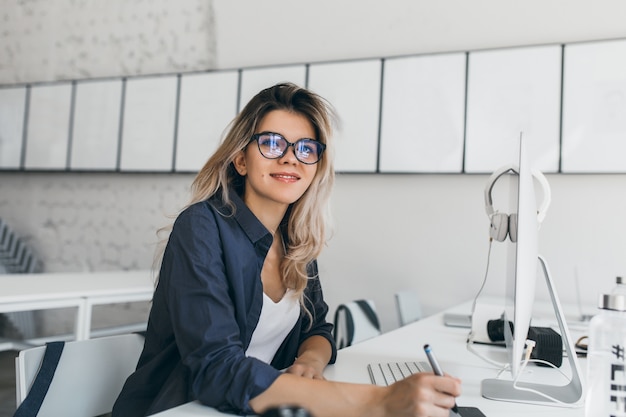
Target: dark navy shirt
205 308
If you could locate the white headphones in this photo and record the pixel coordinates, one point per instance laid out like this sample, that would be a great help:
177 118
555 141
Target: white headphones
503 224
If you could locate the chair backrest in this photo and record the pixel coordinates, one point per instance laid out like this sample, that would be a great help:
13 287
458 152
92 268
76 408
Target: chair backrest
15 255
355 321
88 378
409 307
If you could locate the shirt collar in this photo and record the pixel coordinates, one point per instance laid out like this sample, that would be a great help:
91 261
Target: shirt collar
247 220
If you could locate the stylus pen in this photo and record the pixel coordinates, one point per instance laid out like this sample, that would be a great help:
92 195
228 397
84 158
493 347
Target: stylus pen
436 368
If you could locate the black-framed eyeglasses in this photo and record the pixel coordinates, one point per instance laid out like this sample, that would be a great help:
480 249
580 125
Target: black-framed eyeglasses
274 145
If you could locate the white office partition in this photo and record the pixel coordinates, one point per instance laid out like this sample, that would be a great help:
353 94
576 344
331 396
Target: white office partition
353 88
460 112
423 114
511 91
208 103
96 129
12 111
254 80
149 119
594 107
48 127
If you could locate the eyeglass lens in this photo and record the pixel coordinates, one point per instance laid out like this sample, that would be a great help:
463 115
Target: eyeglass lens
274 145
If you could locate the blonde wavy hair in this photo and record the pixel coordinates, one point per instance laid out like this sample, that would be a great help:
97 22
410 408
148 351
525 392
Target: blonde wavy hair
308 219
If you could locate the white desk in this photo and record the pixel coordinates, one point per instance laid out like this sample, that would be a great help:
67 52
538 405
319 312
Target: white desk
406 343
83 290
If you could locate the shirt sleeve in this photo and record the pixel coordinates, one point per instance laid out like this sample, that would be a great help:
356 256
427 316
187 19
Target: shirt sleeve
202 307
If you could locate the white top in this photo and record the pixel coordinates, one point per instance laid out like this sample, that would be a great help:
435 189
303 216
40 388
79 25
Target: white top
275 323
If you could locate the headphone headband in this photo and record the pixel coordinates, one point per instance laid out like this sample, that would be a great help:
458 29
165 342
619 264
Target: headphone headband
538 175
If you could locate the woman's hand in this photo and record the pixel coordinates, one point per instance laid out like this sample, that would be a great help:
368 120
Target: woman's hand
308 367
422 394
313 356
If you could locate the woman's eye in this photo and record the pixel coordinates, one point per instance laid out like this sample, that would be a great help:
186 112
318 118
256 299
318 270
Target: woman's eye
308 148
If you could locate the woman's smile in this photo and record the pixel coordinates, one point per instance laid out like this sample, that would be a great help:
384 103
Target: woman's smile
287 177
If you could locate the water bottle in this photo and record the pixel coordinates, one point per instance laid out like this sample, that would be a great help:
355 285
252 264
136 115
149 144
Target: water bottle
620 286
606 366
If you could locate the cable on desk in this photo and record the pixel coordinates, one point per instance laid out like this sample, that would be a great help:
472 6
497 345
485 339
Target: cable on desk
470 337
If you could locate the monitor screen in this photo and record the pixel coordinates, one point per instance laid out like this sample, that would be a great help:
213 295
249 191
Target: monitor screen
522 262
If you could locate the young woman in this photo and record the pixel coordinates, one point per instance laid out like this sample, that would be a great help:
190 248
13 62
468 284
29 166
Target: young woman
238 319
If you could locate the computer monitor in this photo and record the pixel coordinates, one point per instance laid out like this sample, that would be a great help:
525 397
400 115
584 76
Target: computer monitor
523 265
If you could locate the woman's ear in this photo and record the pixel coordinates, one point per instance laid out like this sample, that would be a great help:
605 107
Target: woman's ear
240 163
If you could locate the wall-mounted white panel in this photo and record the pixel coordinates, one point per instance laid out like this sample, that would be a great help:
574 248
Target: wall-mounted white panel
12 110
254 80
512 91
594 107
149 119
423 114
48 126
353 88
208 103
95 135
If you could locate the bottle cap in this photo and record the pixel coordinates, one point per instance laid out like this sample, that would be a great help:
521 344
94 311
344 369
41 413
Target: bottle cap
619 280
615 302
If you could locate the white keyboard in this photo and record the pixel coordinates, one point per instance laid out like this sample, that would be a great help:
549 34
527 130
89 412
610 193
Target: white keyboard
384 374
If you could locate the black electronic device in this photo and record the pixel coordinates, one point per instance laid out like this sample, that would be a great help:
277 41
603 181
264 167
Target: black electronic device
286 411
549 346
469 412
548 343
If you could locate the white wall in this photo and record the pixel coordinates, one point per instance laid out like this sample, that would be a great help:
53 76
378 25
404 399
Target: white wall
427 232
430 233
46 40
284 31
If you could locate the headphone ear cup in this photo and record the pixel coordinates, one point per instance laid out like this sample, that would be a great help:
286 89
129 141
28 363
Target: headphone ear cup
499 226
513 227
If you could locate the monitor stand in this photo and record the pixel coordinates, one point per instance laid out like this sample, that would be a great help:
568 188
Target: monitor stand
569 395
